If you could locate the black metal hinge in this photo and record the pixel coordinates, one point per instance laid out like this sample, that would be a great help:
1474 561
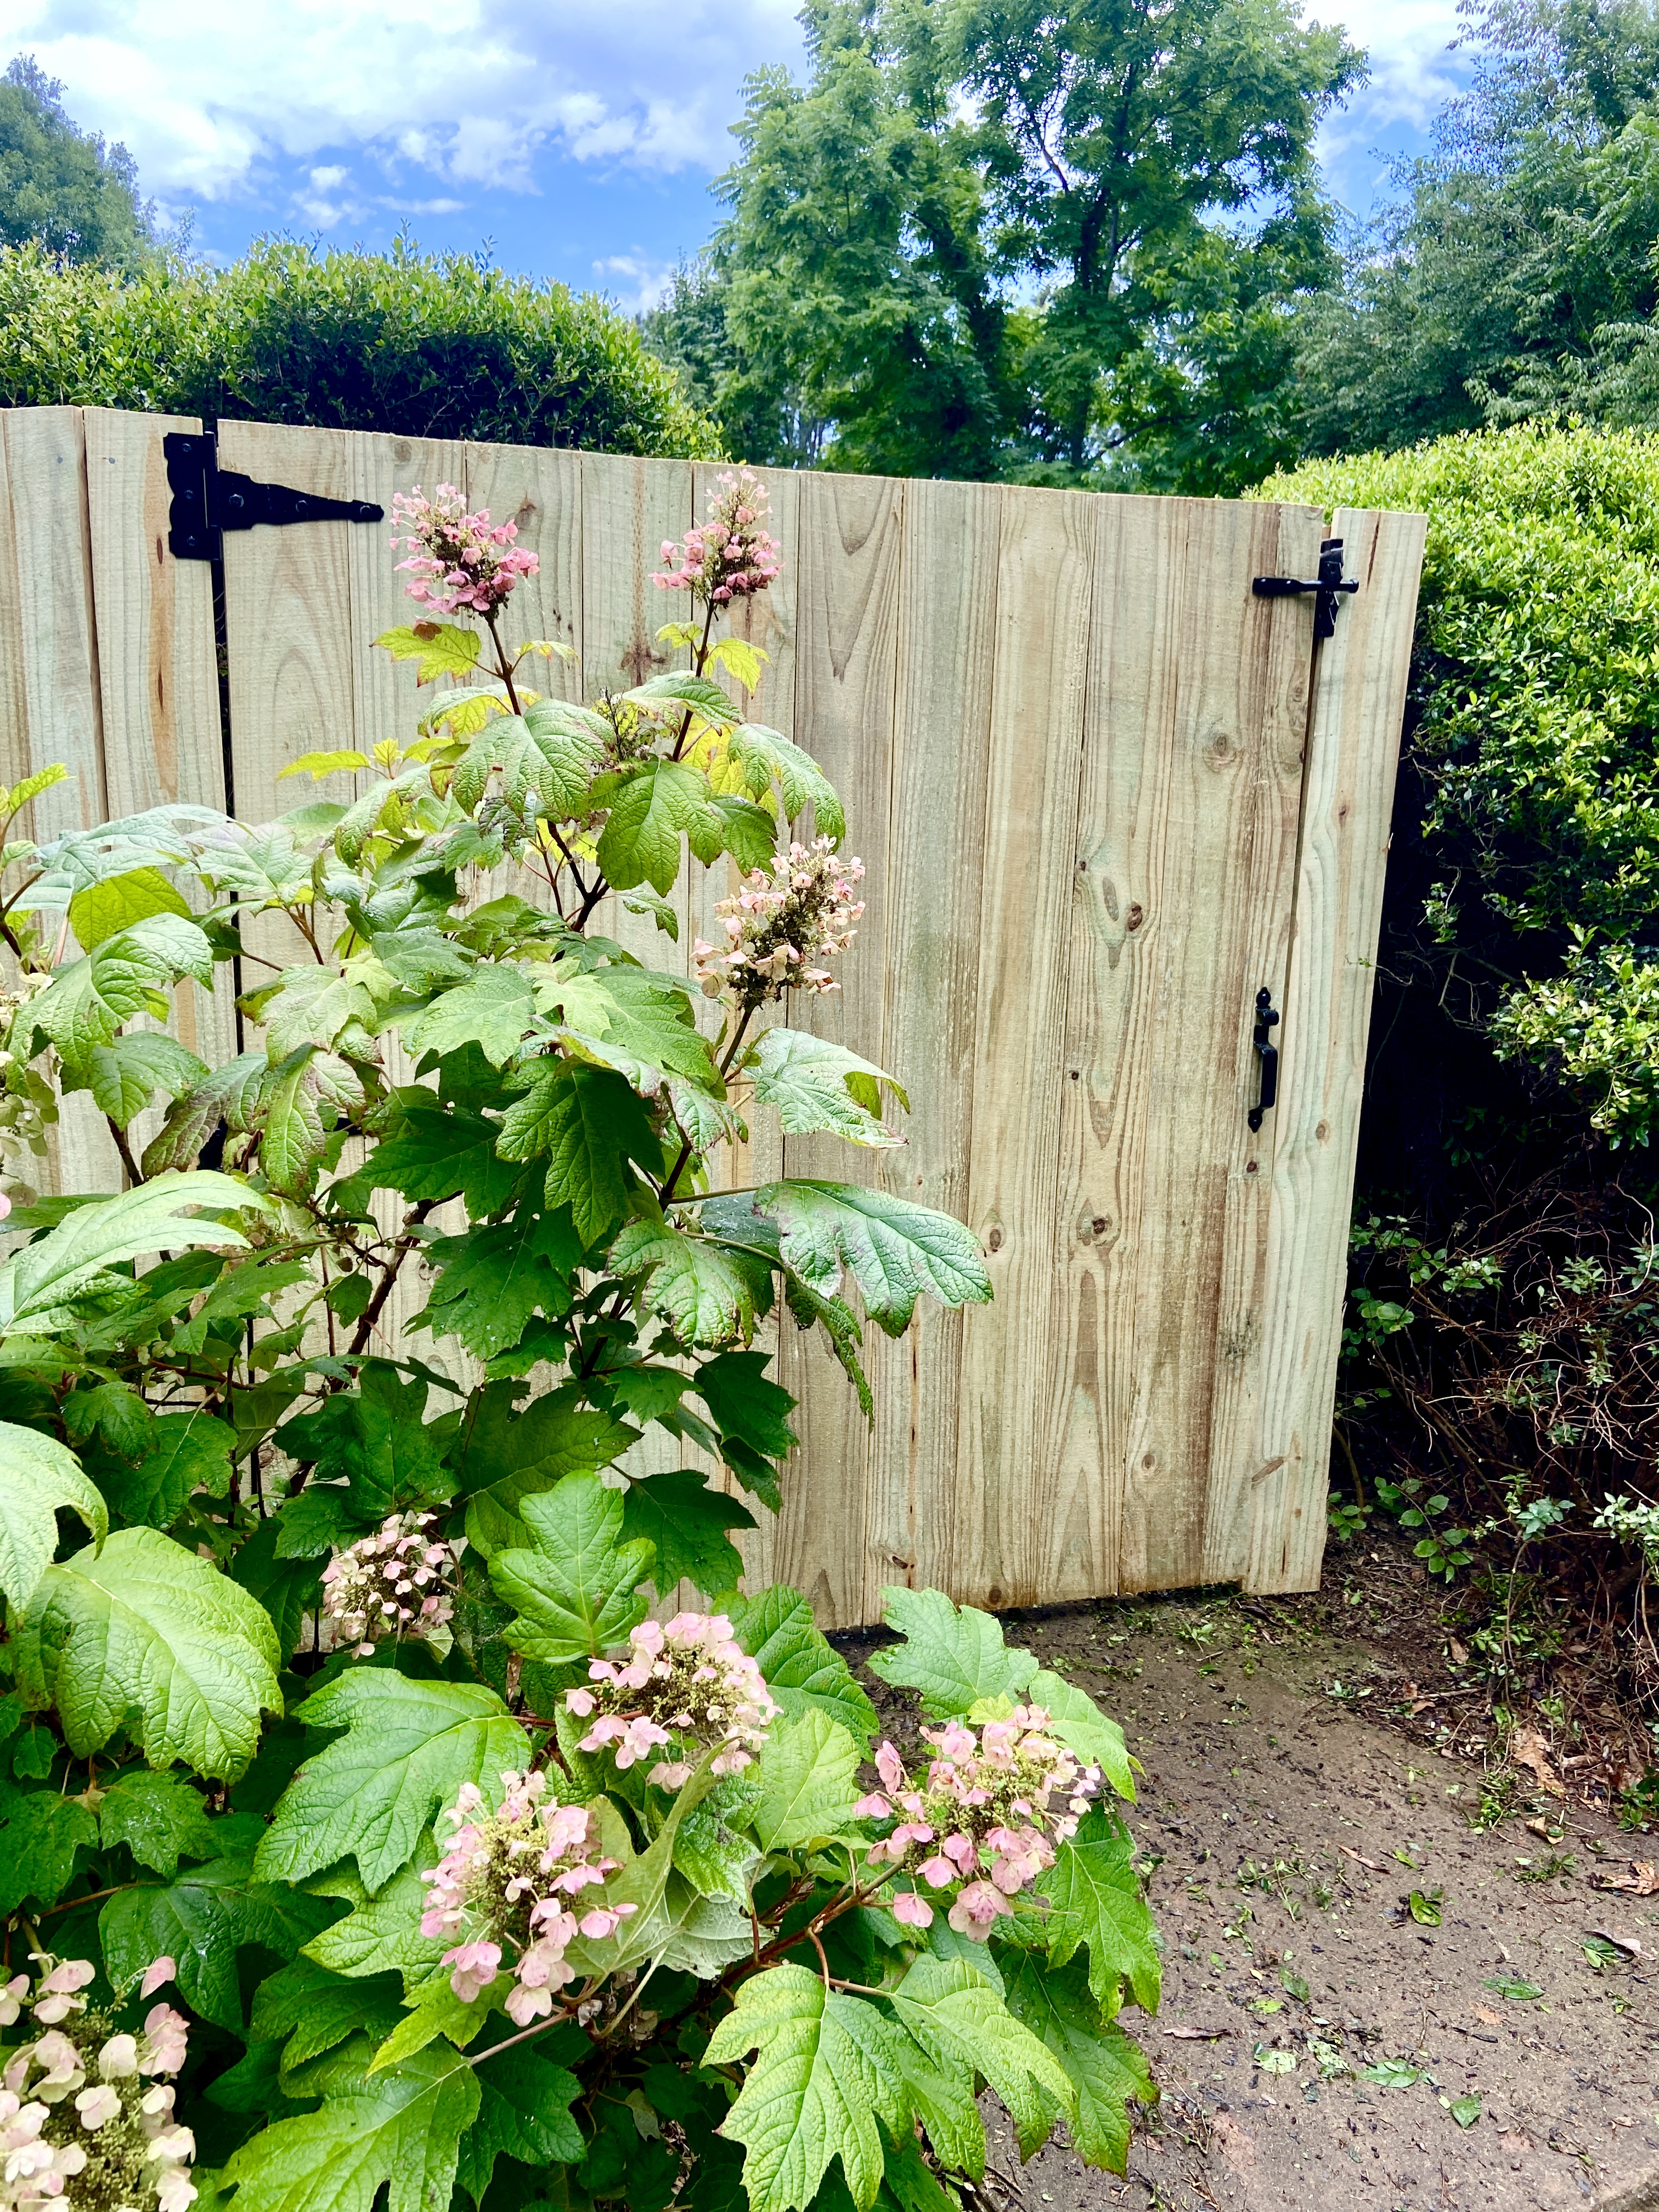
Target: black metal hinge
207 500
1325 587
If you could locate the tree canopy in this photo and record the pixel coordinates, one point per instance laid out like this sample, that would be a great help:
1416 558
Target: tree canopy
61 187
1517 274
1058 244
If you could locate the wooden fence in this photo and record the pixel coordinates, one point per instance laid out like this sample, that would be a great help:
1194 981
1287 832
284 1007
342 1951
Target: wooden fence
1104 795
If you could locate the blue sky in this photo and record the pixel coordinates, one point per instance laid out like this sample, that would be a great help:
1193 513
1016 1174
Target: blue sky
578 140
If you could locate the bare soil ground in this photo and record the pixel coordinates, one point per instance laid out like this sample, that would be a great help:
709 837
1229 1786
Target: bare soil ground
1320 2047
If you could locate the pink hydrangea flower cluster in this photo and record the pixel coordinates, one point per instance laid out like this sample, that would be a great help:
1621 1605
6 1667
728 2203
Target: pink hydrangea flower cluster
83 2123
987 1817
461 563
509 1886
730 555
685 1683
389 1585
783 926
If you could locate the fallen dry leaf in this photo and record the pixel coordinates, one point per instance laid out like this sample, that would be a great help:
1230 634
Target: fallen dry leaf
1199 2035
1460 1656
1543 1828
1237 2143
1528 1748
1628 1944
1358 1860
1642 1881
1488 2017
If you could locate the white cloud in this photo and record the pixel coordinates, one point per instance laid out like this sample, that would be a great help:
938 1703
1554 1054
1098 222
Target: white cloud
468 91
1412 73
636 281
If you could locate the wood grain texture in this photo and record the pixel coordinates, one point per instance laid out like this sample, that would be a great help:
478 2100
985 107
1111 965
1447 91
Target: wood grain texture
1180 913
849 533
932 958
1358 705
1045 590
158 668
56 641
56 635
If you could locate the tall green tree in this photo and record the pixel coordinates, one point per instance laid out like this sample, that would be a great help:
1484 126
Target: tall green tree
64 187
990 239
1518 273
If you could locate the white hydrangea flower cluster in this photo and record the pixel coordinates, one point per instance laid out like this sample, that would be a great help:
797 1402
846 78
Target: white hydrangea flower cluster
84 2130
391 1585
783 926
508 1886
686 1683
987 1811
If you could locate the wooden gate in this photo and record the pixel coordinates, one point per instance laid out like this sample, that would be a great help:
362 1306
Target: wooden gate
1106 795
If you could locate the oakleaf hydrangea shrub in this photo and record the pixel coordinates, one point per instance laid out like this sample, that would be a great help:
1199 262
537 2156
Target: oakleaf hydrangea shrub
495 1846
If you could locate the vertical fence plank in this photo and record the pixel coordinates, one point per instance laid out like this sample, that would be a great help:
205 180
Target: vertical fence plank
1358 705
158 667
846 600
932 958
63 706
1045 583
1256 880
540 490
1180 912
385 700
289 619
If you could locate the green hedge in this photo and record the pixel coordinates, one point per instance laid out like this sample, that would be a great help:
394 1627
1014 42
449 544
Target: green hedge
1532 820
421 345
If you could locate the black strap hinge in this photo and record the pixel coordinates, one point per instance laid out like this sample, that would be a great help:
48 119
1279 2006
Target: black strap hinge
207 500
1325 587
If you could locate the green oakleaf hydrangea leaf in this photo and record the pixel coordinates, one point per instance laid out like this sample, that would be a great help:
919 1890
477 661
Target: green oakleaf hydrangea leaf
37 1283
158 1818
803 1670
1097 1906
894 1250
142 1634
37 1475
523 2113
809 1777
408 1747
401 2130
810 1082
200 1920
962 2025
577 1588
952 1658
1106 2068
40 1833
686 1522
825 2070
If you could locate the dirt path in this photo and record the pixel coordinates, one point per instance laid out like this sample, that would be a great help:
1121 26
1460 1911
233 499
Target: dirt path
1286 1831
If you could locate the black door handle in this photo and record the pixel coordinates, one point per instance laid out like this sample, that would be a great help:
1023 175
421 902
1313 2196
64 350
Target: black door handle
1266 1022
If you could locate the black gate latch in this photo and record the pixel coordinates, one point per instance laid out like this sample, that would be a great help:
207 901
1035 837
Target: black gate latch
208 500
1329 581
1266 1021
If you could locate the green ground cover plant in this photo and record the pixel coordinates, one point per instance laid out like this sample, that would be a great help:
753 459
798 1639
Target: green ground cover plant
374 1829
